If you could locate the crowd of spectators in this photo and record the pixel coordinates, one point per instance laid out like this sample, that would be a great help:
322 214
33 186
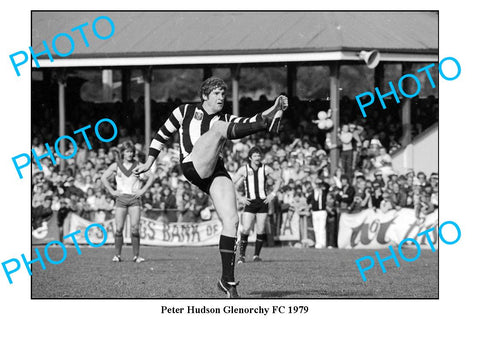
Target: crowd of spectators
364 178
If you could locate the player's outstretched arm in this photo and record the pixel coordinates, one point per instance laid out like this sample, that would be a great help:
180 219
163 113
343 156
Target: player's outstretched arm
163 134
147 185
144 167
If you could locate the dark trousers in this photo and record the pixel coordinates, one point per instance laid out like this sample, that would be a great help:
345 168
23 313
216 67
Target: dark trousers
346 159
332 230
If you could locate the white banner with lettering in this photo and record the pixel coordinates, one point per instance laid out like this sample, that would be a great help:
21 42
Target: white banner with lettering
151 232
375 229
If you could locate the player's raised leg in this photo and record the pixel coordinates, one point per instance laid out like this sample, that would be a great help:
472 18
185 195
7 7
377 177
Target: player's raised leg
207 148
261 235
134 213
120 215
248 219
222 193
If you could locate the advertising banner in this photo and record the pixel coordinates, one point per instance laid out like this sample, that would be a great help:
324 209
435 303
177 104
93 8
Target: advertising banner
151 232
374 229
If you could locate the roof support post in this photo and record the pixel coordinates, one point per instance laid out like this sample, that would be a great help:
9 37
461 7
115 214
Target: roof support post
335 107
235 72
107 85
207 72
126 74
62 83
147 77
291 80
379 76
406 105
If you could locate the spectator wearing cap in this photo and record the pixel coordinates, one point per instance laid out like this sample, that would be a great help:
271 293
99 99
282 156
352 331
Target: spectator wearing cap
317 201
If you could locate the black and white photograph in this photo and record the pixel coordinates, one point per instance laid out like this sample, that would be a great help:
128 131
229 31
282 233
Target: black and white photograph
251 155
232 170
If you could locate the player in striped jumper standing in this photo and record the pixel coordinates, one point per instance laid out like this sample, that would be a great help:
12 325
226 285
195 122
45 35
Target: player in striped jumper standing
127 198
254 176
203 129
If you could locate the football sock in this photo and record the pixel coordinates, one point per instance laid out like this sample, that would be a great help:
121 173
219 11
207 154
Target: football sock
227 253
240 130
259 243
243 243
118 243
136 244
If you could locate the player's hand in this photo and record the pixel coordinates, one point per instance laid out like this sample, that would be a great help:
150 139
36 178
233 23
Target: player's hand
281 103
140 169
269 198
137 194
115 193
245 200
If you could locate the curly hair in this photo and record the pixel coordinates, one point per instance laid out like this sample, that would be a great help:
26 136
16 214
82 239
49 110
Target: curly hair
211 84
253 150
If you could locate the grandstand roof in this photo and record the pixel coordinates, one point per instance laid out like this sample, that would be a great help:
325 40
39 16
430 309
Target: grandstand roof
178 38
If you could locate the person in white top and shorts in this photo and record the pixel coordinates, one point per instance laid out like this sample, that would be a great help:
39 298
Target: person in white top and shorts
127 198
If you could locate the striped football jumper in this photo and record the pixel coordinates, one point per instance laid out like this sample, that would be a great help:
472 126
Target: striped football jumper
191 121
255 182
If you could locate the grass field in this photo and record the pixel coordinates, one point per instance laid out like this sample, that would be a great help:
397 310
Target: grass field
192 273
